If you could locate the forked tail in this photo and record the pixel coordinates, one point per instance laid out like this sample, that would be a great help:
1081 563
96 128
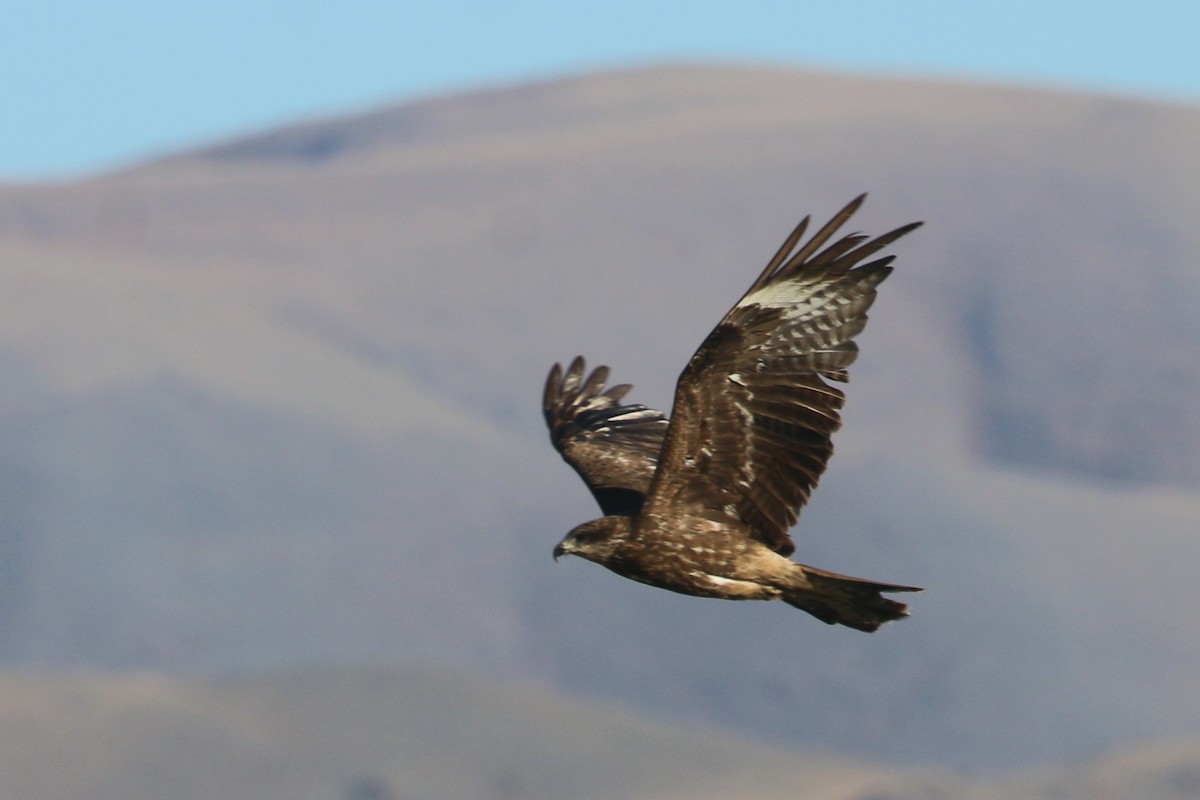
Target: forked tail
841 600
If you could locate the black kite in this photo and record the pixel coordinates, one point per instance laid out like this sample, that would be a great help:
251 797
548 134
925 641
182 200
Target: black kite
702 504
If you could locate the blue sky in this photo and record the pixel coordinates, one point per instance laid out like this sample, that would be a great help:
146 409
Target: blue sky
89 86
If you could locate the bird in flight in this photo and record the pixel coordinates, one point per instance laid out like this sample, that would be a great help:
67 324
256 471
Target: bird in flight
701 503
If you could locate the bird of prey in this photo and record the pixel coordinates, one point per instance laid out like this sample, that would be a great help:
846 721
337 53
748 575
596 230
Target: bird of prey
701 504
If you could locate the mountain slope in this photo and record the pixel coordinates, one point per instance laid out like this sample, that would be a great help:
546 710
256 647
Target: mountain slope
275 401
368 733
375 733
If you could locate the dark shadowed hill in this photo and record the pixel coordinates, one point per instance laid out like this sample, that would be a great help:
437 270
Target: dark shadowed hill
275 402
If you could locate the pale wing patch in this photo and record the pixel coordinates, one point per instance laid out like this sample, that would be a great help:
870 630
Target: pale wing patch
781 294
741 590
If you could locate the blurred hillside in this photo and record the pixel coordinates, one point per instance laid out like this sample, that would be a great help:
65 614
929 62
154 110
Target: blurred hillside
375 734
275 402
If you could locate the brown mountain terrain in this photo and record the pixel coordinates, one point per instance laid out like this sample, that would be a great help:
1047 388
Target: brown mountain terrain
275 402
378 734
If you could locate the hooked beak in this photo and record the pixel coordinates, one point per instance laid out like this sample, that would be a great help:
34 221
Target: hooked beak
559 550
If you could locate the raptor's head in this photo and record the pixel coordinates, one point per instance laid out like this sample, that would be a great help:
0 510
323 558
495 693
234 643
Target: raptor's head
596 540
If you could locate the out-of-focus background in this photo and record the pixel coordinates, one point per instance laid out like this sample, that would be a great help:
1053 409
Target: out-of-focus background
278 288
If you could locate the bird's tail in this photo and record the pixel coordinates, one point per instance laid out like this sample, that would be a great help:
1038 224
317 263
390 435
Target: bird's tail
841 600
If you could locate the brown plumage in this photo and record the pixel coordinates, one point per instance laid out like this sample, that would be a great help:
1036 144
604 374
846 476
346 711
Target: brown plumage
702 504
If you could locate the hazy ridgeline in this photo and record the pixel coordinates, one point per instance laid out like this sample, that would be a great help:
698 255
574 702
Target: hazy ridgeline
275 404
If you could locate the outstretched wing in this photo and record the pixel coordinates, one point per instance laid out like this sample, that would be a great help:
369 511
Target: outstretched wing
613 446
753 414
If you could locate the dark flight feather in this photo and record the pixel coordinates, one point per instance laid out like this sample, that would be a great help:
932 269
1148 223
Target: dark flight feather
613 446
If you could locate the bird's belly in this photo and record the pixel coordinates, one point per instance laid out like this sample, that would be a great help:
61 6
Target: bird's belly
704 574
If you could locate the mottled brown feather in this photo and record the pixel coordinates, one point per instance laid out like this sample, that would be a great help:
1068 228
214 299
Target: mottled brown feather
613 446
753 418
